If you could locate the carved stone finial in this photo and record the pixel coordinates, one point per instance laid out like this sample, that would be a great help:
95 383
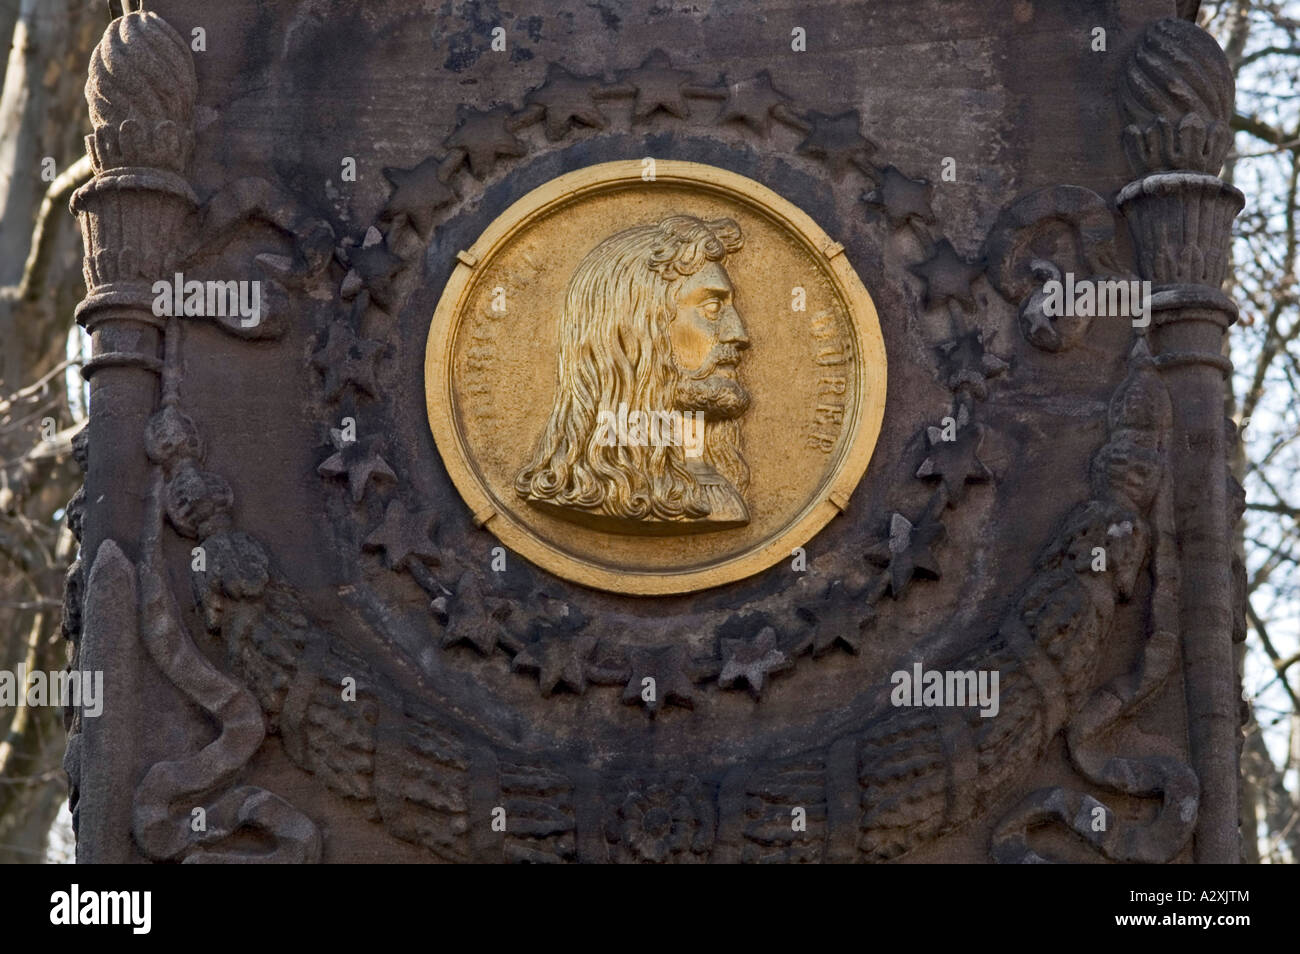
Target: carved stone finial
141 91
1177 94
141 94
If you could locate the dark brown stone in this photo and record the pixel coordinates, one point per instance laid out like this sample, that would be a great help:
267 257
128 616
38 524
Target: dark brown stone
381 690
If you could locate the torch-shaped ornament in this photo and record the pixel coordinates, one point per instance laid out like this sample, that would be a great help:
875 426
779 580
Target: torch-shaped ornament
1176 93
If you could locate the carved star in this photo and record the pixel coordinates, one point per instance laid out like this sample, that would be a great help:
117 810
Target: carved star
666 665
474 619
658 86
417 194
1038 327
403 537
825 638
1050 334
947 275
372 266
346 360
901 198
752 660
908 552
559 663
359 460
552 615
821 637
838 141
566 101
754 102
955 463
968 364
820 601
483 137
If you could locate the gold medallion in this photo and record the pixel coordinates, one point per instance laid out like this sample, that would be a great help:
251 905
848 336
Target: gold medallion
654 377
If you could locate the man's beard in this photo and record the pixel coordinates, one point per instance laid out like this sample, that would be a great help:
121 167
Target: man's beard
719 394
722 399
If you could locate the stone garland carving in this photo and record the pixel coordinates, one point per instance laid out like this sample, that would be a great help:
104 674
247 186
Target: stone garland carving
1133 471
1046 651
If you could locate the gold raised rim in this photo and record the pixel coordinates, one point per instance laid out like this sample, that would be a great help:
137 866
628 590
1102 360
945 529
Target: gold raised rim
545 199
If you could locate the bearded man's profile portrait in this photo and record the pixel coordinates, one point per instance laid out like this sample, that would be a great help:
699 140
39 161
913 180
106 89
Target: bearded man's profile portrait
649 324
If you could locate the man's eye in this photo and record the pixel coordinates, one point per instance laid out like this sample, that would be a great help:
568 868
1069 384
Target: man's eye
712 307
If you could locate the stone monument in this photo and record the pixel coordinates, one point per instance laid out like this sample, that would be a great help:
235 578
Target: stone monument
621 433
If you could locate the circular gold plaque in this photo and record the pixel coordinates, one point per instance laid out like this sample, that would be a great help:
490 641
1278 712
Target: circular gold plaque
654 379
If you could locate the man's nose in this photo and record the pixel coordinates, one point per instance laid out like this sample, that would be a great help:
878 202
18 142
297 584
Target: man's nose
733 329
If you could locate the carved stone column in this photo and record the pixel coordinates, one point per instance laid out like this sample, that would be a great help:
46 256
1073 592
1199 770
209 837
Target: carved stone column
141 92
1177 97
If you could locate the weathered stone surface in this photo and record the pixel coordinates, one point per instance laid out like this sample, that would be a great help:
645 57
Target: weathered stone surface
380 690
